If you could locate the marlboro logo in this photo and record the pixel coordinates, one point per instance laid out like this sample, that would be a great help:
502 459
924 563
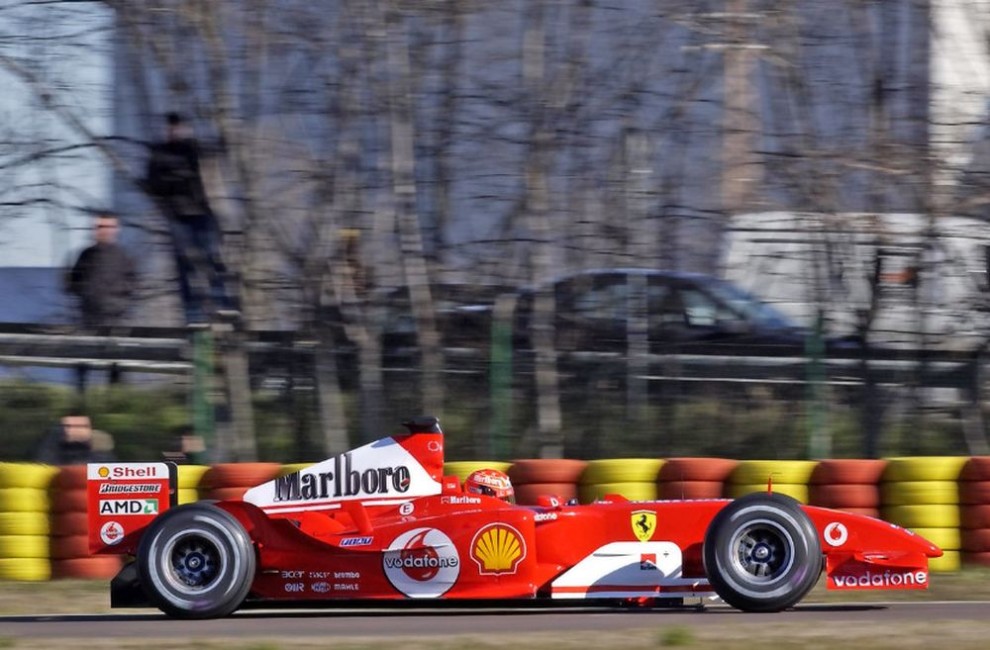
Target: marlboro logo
342 481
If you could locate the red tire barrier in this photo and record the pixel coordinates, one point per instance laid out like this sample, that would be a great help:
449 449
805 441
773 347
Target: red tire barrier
844 495
97 567
70 477
527 494
858 471
71 500
690 489
226 493
697 469
247 475
978 559
546 470
976 540
975 516
67 548
866 512
977 468
974 492
69 523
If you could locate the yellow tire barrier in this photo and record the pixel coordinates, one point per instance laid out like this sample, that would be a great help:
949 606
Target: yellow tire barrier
25 569
947 539
923 516
24 546
641 491
21 499
190 475
187 495
26 475
462 468
292 468
621 470
24 523
903 493
795 490
924 468
949 562
794 472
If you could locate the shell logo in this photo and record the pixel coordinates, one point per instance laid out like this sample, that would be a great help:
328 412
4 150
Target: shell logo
497 549
104 472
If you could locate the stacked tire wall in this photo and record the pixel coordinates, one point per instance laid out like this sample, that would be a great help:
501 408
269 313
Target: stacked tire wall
536 477
922 494
24 521
944 499
190 478
788 477
229 481
974 497
463 468
694 478
632 478
69 540
851 485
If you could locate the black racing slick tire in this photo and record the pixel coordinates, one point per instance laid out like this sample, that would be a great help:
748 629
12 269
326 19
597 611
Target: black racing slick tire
762 553
196 561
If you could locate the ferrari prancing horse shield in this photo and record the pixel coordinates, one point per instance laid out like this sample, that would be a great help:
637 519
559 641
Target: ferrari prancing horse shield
644 522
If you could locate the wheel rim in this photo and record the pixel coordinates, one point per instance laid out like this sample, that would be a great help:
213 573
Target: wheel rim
193 560
762 550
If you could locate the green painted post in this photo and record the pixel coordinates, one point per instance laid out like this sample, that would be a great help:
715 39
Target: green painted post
819 441
202 405
500 377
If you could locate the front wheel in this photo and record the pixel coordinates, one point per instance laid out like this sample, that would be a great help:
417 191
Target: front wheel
196 561
762 553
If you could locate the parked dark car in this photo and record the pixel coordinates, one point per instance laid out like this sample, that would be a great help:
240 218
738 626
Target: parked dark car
605 310
461 313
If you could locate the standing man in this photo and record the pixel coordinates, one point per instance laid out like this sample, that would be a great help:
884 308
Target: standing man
103 280
174 179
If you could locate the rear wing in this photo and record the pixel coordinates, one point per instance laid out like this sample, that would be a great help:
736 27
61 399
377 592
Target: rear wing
123 498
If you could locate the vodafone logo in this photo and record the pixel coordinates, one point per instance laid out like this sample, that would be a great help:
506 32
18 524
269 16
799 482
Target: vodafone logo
111 533
422 563
836 534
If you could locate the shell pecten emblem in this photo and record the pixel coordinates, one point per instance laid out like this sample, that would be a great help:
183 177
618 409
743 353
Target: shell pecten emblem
497 549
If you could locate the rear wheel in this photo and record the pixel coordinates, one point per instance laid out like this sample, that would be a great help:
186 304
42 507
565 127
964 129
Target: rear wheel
196 561
762 553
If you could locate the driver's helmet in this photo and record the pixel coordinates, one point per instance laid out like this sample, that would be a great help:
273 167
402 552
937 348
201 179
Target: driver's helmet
491 482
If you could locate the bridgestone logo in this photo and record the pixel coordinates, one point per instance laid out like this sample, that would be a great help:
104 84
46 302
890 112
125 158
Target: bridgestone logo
130 488
342 481
420 562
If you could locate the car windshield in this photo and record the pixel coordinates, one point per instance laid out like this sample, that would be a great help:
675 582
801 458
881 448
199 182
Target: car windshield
749 306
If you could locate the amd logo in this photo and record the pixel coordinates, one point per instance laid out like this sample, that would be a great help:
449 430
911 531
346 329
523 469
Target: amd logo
129 507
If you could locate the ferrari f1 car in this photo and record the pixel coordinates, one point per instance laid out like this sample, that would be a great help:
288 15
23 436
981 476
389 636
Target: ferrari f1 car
382 523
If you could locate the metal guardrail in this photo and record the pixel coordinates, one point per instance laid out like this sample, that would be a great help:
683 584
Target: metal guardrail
169 351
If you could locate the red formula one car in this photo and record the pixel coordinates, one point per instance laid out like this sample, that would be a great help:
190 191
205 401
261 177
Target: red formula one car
382 523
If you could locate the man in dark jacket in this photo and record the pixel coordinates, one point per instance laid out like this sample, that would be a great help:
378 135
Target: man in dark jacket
103 279
174 179
74 441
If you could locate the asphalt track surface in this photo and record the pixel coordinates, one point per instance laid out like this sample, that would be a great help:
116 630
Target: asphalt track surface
343 623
